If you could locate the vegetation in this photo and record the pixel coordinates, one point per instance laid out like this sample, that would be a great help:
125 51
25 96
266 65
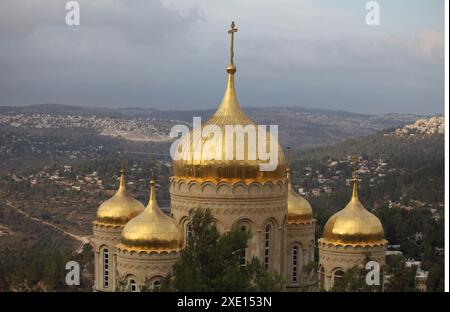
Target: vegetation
211 261
34 258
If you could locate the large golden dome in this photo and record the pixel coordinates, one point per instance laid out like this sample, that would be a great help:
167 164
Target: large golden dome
299 209
120 208
354 224
152 229
205 166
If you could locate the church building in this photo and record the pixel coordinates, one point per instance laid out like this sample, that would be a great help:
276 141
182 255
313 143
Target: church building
135 247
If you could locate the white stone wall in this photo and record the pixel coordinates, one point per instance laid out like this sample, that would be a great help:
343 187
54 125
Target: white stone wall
144 266
303 236
105 236
333 257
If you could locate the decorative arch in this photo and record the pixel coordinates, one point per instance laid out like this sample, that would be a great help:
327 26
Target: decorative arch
224 188
239 188
269 237
267 188
336 274
268 232
243 224
105 258
296 262
182 186
132 284
254 188
321 272
195 188
154 282
244 221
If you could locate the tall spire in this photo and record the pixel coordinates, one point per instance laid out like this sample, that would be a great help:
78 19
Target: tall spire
122 184
229 111
152 203
355 162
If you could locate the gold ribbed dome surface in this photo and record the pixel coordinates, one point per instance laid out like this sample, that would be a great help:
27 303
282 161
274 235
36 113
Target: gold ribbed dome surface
152 229
120 208
299 209
205 166
354 224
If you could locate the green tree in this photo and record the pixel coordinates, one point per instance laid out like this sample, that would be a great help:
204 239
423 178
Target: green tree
351 281
436 275
211 261
402 278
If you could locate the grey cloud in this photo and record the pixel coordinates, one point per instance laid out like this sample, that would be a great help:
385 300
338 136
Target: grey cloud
144 53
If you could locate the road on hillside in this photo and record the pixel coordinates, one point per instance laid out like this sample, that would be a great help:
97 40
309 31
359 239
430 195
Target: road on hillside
82 239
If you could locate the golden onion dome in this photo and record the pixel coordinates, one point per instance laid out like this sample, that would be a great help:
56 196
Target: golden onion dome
354 224
299 209
207 158
120 208
152 229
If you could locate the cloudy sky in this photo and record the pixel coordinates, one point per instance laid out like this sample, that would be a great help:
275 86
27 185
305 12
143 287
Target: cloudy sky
172 54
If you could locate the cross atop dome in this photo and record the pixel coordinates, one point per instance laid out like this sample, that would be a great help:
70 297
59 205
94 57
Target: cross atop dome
232 31
231 69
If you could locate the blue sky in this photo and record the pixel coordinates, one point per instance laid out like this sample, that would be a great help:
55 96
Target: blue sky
172 54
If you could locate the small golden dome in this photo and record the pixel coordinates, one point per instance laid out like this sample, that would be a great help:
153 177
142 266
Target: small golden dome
299 209
152 229
354 224
120 208
206 166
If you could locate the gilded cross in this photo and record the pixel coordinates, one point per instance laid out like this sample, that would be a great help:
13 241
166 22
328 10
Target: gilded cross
232 31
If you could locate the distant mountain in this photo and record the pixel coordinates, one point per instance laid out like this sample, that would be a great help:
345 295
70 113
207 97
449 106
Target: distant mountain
298 126
56 109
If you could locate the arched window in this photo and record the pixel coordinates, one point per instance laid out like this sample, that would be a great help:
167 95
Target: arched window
312 249
105 257
295 262
156 284
321 276
132 285
188 232
337 275
242 252
267 233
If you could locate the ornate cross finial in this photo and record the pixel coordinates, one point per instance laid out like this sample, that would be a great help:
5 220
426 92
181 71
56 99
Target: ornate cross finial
232 31
122 183
355 163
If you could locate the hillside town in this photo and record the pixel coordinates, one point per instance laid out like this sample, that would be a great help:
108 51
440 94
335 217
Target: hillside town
135 129
433 125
